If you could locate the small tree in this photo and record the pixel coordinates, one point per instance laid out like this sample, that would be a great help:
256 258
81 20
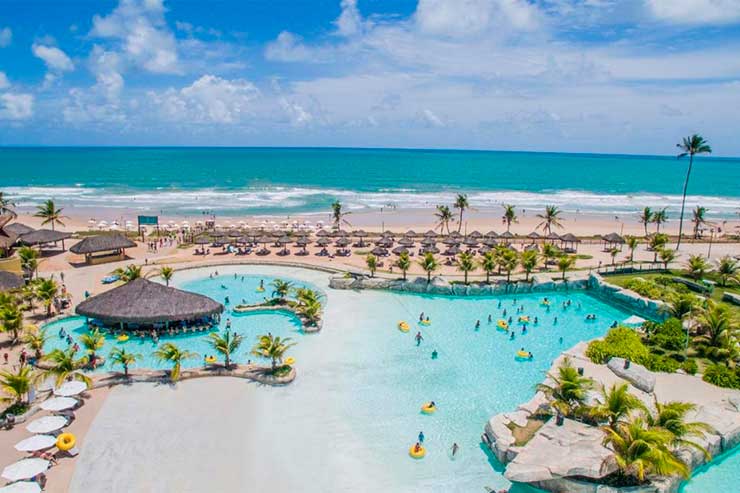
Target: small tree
169 352
697 266
17 385
632 243
727 270
429 264
372 263
404 263
227 345
565 262
508 262
488 264
657 242
166 274
273 348
613 253
466 264
529 259
281 289
92 341
667 256
46 291
120 356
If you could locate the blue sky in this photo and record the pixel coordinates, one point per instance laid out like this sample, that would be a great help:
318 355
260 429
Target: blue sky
627 76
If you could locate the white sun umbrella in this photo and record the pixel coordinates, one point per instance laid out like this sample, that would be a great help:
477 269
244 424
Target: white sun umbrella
21 487
633 320
25 469
68 389
59 404
36 442
47 424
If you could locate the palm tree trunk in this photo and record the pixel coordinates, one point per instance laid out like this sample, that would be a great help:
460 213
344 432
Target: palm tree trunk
488 277
459 225
125 371
429 276
404 275
683 201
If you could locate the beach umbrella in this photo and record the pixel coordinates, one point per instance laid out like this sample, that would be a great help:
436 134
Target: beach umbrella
489 242
47 424
453 250
430 249
322 233
475 234
507 235
235 234
532 246
430 234
202 240
428 242
342 242
21 487
59 404
534 235
410 232
491 234
68 389
450 241
388 234
25 469
484 249
471 242
400 249
406 242
302 241
379 251
384 243
553 236
322 242
218 234
36 442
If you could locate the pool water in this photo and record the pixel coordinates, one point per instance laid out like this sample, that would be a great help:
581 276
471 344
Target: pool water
721 475
347 422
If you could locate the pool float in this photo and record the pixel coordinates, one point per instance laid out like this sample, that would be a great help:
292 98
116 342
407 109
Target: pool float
260 290
425 322
417 454
428 408
524 319
403 326
502 325
545 303
65 442
122 338
522 355
289 361
210 359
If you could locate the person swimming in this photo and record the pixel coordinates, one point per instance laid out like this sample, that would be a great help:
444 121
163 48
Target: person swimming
262 284
504 314
613 325
226 300
510 320
512 335
421 436
228 323
536 321
477 324
435 354
418 338
223 287
555 322
499 304
524 329
560 341
421 317
489 318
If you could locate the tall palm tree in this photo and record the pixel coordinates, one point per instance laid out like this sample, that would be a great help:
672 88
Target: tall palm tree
550 218
718 339
6 205
66 366
372 263
690 146
29 258
92 341
16 386
273 348
444 218
727 270
404 263
568 390
529 259
646 217
120 356
46 291
488 264
509 215
226 344
697 266
169 352
337 215
429 264
508 261
49 214
128 273
461 203
616 405
281 289
660 217
35 339
566 262
166 274
698 219
671 416
466 264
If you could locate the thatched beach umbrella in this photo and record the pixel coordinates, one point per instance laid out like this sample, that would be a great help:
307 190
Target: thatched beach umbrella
406 241
471 242
202 240
360 234
400 249
484 249
428 242
342 242
475 234
384 243
322 233
507 235
410 233
379 252
451 241
491 235
430 249
453 250
10 281
553 236
534 236
322 242
430 234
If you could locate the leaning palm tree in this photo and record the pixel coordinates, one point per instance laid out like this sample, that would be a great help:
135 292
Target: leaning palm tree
273 348
444 218
166 274
568 390
509 215
616 404
6 205
46 291
488 264
306 296
671 416
697 266
49 214
461 203
698 219
660 217
632 243
528 260
120 356
337 215
550 218
170 353
92 341
35 339
226 344
429 264
646 217
565 263
466 264
65 365
404 263
16 386
690 146
372 263
310 311
718 338
727 270
281 289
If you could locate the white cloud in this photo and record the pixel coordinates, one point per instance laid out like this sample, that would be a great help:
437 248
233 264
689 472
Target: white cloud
297 114
4 82
465 18
350 21
54 58
16 106
288 47
430 118
696 11
6 37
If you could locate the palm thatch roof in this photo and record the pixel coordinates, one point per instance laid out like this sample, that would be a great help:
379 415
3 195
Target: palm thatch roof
102 243
43 236
10 281
142 301
570 238
18 228
7 236
613 238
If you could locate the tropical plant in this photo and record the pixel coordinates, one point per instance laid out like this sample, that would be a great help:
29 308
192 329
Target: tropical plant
720 375
616 405
17 385
311 311
166 274
119 356
306 296
509 216
718 338
667 256
466 264
681 305
29 258
128 273
35 339
226 344
273 348
64 365
550 218
92 341
646 217
568 390
5 204
620 342
656 244
11 318
461 203
49 214
444 218
404 263
550 252
698 219
281 289
372 263
613 254
528 259
697 266
690 146
660 217
337 215
46 291
429 264
727 270
488 264
566 262
508 262
169 352
632 243
671 416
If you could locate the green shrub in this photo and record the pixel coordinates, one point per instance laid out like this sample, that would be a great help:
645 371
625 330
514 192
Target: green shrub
690 366
661 363
620 342
669 335
721 376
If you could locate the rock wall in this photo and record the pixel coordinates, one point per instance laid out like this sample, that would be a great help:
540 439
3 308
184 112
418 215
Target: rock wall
652 309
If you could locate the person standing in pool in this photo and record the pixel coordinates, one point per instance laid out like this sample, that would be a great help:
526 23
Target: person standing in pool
421 437
262 284
418 338
455 448
477 324
421 317
435 354
489 318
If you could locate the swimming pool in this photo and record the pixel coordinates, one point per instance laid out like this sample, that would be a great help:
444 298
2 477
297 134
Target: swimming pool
347 422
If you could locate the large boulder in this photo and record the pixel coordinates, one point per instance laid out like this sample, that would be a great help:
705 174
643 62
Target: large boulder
639 376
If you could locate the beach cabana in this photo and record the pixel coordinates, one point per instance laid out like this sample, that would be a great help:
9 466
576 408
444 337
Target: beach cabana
19 229
103 248
534 236
612 240
360 234
507 235
570 242
552 237
10 281
142 302
43 237
8 237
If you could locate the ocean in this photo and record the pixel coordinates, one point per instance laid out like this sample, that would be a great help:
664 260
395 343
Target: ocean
282 181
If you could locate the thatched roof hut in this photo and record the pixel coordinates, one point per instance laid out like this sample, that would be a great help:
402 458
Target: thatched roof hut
44 237
10 281
7 236
142 301
102 243
19 229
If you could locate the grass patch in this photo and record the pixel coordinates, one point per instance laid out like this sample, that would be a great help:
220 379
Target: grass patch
523 434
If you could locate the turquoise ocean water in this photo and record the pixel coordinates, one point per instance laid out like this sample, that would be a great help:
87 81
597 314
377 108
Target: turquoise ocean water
182 181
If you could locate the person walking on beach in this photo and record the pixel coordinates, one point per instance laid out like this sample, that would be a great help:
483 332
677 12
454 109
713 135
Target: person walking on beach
418 338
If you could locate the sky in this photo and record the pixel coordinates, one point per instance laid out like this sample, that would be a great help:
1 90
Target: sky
613 76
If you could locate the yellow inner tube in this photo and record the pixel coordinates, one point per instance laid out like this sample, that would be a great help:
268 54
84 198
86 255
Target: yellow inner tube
524 319
417 454
260 290
290 360
65 442
210 359
522 354
122 338
426 322
403 326
428 408
545 303
501 324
